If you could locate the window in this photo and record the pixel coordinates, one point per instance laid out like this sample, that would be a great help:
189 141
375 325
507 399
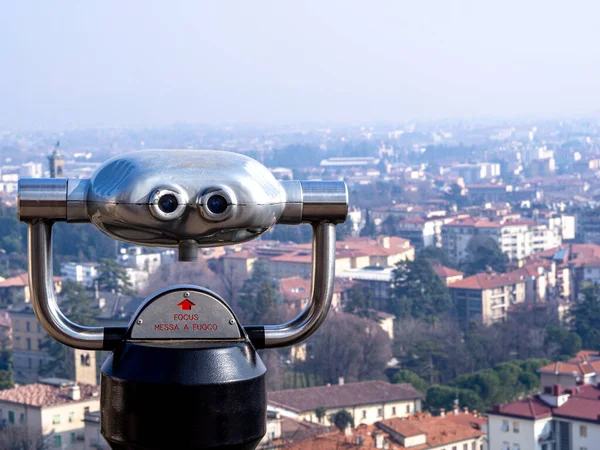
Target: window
27 326
380 412
474 445
11 417
505 426
516 447
516 427
73 438
56 419
39 328
57 441
22 417
71 416
505 446
364 416
30 363
28 343
583 430
465 446
393 410
408 408
87 409
583 448
454 447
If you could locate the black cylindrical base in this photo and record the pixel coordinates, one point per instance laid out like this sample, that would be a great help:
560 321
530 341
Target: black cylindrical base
159 398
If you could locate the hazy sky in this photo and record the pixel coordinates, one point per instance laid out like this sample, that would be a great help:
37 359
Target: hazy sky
80 64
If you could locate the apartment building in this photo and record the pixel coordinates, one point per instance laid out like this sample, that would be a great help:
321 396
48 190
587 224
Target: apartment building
51 412
583 369
423 232
367 401
486 297
517 239
556 419
29 356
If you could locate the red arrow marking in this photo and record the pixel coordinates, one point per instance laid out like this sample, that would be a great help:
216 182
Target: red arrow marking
186 305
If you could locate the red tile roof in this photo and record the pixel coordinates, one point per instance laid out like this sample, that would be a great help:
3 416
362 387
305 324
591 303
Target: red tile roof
446 272
482 281
20 280
583 404
45 395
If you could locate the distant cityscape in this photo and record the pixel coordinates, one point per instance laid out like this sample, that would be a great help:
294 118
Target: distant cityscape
466 313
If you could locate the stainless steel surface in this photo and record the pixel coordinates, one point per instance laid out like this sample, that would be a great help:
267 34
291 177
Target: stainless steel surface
44 198
76 199
188 251
324 200
120 190
323 275
172 315
43 297
292 212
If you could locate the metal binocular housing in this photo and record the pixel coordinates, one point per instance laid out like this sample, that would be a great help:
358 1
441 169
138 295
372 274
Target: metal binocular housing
185 199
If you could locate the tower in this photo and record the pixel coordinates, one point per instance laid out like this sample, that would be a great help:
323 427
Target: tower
57 163
82 366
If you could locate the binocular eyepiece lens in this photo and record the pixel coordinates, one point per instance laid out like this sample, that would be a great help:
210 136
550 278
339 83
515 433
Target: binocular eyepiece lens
217 204
168 203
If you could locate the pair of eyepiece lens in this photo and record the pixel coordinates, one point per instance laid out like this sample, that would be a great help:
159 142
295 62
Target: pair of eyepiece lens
165 203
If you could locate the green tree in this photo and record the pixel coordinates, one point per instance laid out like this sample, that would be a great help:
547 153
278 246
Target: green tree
360 302
370 229
567 343
113 277
418 291
435 255
447 397
320 413
342 419
483 253
407 376
344 230
586 316
389 226
259 295
7 380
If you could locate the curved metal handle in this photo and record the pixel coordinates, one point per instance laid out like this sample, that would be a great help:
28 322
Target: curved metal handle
311 318
43 296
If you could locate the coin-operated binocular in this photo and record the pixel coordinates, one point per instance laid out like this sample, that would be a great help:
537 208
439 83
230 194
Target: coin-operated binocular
184 374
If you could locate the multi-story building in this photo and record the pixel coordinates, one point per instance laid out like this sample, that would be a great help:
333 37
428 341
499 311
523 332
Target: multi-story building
423 232
516 239
135 258
29 355
486 297
378 280
556 419
367 401
51 412
84 273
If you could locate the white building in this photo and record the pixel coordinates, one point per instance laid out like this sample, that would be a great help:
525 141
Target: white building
31 170
517 239
84 273
136 258
556 419
51 412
